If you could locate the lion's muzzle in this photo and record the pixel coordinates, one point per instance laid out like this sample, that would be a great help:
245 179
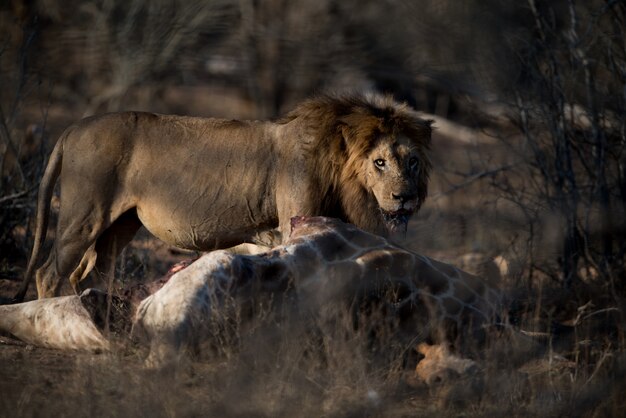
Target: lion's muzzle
398 220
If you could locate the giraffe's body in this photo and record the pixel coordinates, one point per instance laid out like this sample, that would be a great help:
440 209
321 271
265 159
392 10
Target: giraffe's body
324 262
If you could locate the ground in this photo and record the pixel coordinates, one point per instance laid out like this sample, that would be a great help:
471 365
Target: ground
40 382
271 371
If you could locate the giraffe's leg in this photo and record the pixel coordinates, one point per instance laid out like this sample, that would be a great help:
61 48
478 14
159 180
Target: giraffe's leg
248 249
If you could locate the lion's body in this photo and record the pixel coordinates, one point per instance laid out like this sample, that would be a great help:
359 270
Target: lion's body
204 184
179 170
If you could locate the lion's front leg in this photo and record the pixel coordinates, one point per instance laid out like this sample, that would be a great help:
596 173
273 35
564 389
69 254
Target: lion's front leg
294 197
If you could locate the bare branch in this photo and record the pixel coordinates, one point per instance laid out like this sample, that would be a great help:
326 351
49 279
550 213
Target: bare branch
10 147
15 196
472 179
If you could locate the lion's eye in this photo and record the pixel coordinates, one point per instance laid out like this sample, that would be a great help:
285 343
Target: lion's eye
412 162
380 163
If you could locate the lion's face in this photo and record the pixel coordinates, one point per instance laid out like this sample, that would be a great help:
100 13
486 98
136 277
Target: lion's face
392 172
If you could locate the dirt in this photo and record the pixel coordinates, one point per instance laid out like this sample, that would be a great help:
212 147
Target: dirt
40 382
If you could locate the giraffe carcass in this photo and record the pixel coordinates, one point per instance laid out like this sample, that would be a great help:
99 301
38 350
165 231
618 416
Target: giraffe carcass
325 264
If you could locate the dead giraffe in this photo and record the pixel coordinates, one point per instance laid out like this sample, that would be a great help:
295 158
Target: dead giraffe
323 261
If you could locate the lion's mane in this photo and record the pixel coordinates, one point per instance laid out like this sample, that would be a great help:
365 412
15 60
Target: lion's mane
346 128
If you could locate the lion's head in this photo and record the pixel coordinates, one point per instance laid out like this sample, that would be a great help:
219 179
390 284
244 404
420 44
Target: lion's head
391 172
371 159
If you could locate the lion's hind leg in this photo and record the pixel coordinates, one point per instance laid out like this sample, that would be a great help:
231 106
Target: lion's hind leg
49 280
46 278
110 244
82 243
70 258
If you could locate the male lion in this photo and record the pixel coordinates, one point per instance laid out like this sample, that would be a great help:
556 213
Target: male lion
204 184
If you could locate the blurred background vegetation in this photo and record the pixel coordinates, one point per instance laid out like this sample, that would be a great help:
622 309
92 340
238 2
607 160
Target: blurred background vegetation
107 55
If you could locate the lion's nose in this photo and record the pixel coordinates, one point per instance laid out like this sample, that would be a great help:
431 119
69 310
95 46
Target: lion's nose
404 197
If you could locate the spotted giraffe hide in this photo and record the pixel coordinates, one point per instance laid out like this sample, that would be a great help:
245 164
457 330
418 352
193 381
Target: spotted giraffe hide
325 263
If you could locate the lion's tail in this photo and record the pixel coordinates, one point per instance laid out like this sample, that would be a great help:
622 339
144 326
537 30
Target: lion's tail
44 198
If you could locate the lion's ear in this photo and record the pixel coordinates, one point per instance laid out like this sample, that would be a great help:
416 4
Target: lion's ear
351 125
346 133
422 130
347 136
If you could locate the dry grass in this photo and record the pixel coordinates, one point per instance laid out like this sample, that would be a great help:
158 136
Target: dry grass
290 365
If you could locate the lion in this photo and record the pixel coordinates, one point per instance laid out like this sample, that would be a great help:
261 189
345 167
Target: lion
204 183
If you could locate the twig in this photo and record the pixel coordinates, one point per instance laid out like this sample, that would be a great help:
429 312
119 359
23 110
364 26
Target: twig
605 355
611 309
459 133
6 137
16 195
473 179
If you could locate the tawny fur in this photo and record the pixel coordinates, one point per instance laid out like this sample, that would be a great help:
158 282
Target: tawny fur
205 184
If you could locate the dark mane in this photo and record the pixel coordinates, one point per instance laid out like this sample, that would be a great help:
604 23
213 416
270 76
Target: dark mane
345 129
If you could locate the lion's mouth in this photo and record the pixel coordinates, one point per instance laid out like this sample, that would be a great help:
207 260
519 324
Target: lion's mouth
397 220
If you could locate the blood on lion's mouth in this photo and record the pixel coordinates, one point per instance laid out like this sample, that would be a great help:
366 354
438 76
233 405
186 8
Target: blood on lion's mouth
397 220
